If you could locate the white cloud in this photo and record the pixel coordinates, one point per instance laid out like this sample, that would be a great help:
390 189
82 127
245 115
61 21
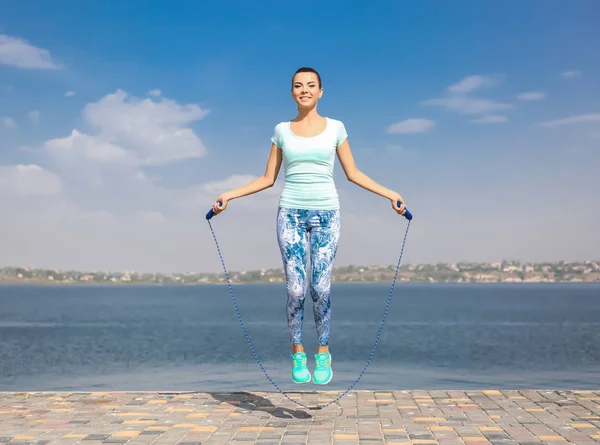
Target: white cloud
103 171
471 83
19 53
70 93
468 105
491 119
531 95
25 180
458 99
411 126
9 122
34 116
155 92
578 119
570 74
130 133
83 147
156 131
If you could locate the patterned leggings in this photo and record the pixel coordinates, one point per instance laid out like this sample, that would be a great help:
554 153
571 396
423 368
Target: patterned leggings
293 229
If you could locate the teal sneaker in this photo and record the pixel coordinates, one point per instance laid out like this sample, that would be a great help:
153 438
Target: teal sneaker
300 372
323 371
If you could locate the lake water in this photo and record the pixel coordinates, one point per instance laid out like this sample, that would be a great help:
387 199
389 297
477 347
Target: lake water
180 338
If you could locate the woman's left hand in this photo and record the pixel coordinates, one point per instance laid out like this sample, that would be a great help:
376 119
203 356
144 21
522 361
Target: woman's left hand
400 210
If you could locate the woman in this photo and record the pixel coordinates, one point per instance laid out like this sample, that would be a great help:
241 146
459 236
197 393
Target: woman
309 205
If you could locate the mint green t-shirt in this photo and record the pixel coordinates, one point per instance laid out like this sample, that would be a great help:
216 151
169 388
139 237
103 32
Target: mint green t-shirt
308 165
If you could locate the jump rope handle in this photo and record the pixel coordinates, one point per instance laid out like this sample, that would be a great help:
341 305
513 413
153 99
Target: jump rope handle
407 214
211 212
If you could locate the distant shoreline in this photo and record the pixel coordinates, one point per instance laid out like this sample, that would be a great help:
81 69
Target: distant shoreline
494 272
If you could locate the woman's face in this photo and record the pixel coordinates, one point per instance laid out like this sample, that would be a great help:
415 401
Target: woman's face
306 90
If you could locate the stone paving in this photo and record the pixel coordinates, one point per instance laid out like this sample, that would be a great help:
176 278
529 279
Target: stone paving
360 417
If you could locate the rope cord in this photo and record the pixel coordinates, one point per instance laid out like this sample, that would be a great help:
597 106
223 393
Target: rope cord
237 311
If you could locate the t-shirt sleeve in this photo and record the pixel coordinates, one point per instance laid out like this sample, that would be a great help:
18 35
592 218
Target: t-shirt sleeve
276 138
341 134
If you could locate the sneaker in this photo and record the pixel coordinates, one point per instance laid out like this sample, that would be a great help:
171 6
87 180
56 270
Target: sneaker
323 371
300 372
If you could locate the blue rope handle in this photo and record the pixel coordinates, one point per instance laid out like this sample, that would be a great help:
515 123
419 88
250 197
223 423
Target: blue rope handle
408 216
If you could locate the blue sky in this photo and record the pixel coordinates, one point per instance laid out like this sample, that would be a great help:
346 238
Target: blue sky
495 106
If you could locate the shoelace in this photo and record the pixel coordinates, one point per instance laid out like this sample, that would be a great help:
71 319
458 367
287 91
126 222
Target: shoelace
299 362
322 361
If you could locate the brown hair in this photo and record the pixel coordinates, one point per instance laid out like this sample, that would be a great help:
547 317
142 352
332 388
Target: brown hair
306 69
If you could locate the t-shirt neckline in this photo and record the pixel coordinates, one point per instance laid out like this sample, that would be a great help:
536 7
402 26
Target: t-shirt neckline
289 125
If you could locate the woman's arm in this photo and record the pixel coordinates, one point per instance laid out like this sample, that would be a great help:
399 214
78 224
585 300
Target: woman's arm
264 182
359 178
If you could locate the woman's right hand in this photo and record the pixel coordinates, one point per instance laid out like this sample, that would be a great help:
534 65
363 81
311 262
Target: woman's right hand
396 198
223 199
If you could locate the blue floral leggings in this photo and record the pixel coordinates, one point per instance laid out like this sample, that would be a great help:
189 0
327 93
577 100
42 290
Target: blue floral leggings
299 231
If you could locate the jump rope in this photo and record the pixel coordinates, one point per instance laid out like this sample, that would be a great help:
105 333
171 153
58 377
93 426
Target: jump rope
409 217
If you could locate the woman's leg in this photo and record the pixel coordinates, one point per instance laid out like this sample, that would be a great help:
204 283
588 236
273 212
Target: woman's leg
324 238
292 237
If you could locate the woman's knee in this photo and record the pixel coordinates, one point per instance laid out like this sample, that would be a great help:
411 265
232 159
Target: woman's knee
320 289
